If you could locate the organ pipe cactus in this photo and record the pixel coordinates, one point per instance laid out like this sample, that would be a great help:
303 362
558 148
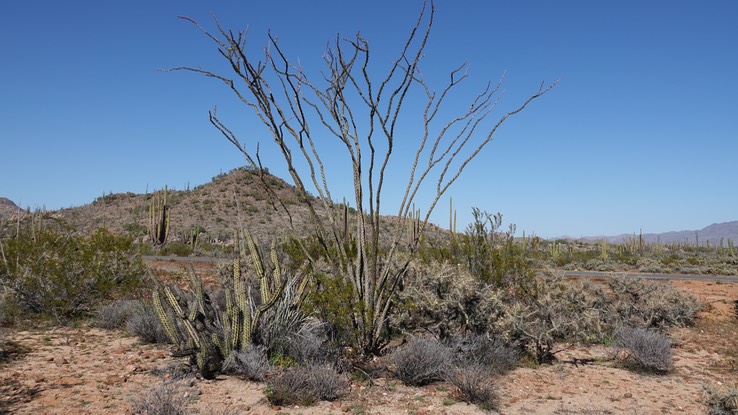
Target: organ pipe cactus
159 218
208 334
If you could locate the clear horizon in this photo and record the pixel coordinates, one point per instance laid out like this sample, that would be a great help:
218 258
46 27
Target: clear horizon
641 132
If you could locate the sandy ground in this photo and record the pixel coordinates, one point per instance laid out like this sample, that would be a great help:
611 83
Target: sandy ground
93 371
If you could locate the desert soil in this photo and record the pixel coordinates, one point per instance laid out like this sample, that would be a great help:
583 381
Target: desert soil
93 371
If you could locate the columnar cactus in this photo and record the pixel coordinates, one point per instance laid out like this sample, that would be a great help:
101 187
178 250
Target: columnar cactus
210 335
159 218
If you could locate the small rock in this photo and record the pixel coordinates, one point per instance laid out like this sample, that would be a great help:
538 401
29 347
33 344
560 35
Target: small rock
628 395
59 360
119 350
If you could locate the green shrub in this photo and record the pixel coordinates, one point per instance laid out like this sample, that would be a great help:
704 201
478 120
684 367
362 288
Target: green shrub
65 276
176 248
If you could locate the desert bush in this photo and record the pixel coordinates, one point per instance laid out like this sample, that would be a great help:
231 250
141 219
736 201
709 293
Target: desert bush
145 323
310 345
475 385
554 310
644 348
327 382
722 401
114 315
421 361
305 385
64 276
639 302
490 352
176 248
251 363
446 300
492 256
168 398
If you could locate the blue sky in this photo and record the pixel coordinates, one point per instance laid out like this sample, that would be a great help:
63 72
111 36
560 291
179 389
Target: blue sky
640 133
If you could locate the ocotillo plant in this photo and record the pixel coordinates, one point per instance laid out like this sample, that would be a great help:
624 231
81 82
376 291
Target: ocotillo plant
210 335
159 218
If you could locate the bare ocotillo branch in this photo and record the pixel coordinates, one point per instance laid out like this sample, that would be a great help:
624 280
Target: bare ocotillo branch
361 115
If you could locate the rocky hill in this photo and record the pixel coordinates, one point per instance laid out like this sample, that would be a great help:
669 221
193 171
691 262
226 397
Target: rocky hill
8 209
212 210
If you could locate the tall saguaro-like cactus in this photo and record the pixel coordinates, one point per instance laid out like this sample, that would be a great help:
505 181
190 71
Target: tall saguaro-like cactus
209 335
159 218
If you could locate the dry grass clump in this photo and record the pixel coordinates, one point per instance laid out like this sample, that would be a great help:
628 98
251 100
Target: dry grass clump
114 315
475 384
722 401
491 352
421 361
251 363
306 385
168 398
145 323
644 348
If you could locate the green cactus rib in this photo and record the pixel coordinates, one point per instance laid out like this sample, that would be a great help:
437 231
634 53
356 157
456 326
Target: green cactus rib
181 314
159 218
211 334
166 320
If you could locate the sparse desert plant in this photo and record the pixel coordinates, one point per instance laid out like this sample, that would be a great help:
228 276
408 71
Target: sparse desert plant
251 363
491 352
421 361
327 382
114 315
722 400
144 322
309 345
553 310
167 398
305 385
644 348
639 302
445 300
475 384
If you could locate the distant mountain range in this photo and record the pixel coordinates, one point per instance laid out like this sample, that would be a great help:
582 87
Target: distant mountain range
714 234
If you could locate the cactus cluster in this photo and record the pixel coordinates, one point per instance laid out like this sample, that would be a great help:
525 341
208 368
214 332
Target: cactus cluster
159 218
208 334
